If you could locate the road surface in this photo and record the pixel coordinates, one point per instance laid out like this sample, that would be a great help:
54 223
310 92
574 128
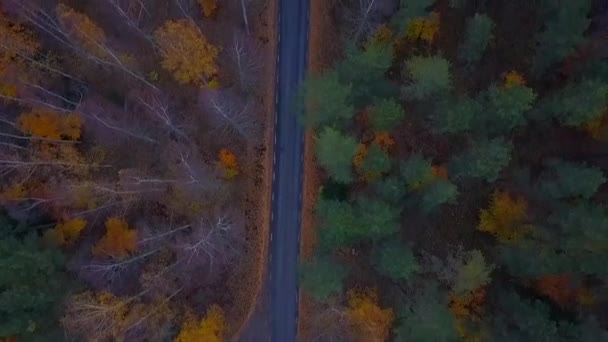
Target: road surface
287 170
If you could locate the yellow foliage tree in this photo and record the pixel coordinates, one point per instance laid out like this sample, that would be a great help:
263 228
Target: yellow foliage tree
209 7
423 28
46 124
66 233
598 127
228 164
118 242
83 30
383 34
16 43
97 316
505 218
367 317
186 52
209 329
513 78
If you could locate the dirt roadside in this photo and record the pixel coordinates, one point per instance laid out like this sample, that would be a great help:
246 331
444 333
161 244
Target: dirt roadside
319 59
249 284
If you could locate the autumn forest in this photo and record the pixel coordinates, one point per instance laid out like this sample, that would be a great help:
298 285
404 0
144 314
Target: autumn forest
460 189
129 149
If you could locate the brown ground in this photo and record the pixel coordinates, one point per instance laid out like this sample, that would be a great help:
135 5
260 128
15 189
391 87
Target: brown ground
248 284
319 59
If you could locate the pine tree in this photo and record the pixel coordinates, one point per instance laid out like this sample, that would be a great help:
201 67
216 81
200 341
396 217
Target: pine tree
429 77
327 101
335 152
485 159
386 115
322 278
477 37
395 260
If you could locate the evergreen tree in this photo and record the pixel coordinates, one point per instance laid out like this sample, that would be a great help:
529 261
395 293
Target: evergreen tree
485 159
426 318
522 320
365 69
417 171
568 180
376 162
322 278
504 109
386 115
338 223
335 152
327 101
478 36
395 260
577 104
33 284
457 115
566 22
429 76
439 192
391 189
377 219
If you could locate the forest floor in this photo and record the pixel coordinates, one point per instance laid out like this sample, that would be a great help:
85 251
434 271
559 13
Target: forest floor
251 282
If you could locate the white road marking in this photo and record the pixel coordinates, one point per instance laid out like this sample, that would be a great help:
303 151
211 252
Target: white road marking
276 98
270 237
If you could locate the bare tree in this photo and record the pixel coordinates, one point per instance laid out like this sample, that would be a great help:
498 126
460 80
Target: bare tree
214 241
246 61
232 116
360 17
134 13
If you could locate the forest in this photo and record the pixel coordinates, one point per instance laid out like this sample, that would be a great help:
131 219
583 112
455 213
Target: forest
460 190
131 156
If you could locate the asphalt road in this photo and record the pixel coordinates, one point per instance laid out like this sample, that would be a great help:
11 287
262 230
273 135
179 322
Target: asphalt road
287 170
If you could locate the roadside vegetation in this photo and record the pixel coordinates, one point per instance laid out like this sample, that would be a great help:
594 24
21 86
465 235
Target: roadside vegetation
129 154
462 147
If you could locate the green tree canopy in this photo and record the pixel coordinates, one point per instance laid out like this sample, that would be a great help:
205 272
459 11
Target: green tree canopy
566 22
385 115
391 189
335 152
327 101
485 159
338 223
429 76
378 219
504 108
416 171
365 69
322 278
457 115
395 260
577 104
439 192
472 274
477 37
376 162
565 179
427 318
32 287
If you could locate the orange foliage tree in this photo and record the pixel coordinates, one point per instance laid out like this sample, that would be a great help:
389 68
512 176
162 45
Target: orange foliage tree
46 124
367 317
360 155
385 141
467 312
209 329
16 43
228 164
186 52
505 218
118 242
209 7
66 233
560 288
423 28
83 30
513 78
